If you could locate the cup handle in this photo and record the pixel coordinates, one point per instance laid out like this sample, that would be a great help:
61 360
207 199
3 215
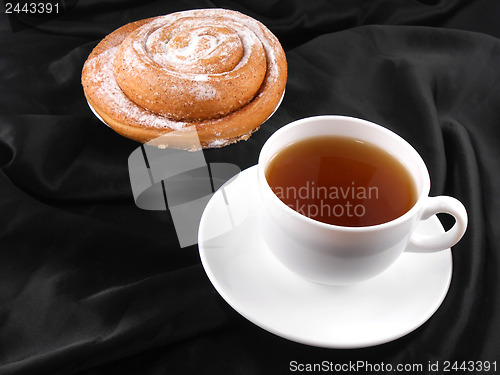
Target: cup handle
420 243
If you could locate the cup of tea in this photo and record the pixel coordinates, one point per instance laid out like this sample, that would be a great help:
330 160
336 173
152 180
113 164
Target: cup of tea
342 197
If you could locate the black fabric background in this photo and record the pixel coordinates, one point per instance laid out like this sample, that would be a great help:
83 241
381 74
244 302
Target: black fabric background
91 285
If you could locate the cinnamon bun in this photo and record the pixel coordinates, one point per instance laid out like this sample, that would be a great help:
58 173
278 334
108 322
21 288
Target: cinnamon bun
218 70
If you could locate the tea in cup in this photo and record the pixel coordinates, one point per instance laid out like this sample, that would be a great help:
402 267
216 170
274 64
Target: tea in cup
342 198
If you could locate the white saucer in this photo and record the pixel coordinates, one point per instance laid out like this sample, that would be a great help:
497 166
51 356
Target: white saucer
256 285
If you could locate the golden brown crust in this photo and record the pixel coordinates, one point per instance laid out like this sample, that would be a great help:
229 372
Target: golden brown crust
144 94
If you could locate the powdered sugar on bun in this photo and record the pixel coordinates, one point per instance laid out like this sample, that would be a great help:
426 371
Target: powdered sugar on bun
216 69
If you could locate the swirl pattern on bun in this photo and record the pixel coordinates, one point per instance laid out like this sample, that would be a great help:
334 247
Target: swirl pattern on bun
217 70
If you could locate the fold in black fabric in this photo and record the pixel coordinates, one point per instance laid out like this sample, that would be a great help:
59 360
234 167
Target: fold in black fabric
91 284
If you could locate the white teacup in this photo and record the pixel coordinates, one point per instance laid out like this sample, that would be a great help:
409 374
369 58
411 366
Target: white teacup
339 255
